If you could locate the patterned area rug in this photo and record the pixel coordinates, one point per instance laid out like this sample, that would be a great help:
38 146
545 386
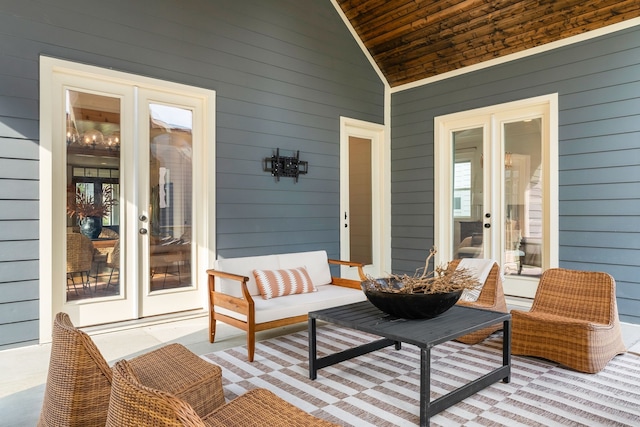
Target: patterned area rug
382 388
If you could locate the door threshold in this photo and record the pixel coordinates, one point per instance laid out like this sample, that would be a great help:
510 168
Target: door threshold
519 303
143 322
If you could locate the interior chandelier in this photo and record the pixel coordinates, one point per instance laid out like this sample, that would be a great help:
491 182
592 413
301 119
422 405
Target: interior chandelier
92 138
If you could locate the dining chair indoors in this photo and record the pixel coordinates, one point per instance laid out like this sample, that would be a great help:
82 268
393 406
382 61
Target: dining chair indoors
79 260
113 262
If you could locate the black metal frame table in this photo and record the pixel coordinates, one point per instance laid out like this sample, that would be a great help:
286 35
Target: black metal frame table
423 333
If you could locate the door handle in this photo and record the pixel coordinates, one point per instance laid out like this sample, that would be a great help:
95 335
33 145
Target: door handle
143 231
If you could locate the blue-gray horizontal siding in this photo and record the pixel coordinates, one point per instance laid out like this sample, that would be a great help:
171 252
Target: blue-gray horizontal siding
598 83
284 71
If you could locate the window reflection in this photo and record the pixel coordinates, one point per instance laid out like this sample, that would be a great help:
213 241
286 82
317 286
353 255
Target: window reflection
523 197
93 194
468 181
171 214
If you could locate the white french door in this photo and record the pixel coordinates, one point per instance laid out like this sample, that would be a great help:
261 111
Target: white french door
133 154
362 196
171 134
496 191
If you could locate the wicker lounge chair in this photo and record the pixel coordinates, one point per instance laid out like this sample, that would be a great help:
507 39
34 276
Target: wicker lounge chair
491 298
573 321
133 404
79 379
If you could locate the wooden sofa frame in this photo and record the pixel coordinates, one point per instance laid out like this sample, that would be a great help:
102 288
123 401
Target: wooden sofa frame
245 306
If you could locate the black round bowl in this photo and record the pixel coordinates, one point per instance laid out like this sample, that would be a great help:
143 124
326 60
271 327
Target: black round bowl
407 306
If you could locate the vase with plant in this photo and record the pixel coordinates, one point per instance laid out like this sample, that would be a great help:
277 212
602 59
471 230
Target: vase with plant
88 211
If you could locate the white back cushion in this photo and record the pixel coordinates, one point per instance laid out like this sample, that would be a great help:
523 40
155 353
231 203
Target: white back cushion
243 266
316 262
480 268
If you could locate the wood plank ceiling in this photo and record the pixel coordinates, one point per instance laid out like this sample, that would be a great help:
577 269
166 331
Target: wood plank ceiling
415 39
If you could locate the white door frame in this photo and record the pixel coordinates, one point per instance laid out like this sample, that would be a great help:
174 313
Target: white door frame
381 194
52 214
491 118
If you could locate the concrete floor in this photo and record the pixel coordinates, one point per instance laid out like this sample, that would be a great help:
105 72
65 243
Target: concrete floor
24 370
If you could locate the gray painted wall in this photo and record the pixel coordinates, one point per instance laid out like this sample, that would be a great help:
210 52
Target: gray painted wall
284 72
598 83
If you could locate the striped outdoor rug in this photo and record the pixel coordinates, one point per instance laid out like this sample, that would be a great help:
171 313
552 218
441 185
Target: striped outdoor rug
382 388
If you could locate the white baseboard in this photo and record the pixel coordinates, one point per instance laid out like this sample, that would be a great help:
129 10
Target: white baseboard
518 303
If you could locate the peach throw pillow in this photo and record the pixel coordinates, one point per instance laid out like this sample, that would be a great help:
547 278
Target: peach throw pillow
278 283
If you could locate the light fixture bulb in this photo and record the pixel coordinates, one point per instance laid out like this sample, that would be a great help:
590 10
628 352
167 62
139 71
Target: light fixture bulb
93 137
73 137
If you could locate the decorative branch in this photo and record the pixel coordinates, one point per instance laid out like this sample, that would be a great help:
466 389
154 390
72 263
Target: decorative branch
440 280
83 205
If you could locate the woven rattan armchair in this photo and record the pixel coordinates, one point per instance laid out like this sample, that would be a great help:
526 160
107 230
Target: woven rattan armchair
79 379
133 404
573 321
491 298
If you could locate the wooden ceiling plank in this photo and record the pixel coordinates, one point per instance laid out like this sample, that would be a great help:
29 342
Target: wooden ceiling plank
396 17
356 9
440 30
424 21
421 49
512 44
98 116
414 39
520 20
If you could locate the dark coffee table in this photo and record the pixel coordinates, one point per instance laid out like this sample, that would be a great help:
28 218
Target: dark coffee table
424 333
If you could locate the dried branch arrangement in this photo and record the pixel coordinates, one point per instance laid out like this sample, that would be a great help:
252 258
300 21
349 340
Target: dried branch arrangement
83 205
440 280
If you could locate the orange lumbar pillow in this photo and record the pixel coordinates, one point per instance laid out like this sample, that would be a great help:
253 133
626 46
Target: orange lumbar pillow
278 283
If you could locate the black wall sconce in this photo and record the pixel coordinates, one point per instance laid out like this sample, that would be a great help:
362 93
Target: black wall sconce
285 166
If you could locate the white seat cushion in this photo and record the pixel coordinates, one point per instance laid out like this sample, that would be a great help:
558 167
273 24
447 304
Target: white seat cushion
298 304
480 268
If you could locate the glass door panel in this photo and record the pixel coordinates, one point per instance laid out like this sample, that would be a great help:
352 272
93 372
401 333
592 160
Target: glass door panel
523 189
468 183
93 194
171 195
360 201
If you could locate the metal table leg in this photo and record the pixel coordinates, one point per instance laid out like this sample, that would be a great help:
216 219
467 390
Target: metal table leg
425 385
313 369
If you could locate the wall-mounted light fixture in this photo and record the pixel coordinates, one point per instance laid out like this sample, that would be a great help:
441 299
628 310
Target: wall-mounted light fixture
285 166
